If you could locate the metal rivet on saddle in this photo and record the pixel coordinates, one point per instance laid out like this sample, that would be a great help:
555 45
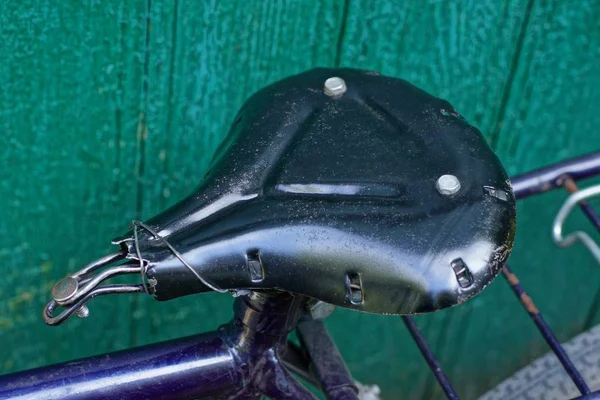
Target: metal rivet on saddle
335 86
448 185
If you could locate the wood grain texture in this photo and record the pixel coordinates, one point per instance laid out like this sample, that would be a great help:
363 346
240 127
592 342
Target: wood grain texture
525 73
110 112
68 111
549 112
461 51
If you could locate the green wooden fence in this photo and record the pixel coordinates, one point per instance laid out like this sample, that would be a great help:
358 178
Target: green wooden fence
110 111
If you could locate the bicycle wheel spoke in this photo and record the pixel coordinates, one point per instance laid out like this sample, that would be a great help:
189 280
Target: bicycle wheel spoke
545 330
591 396
433 363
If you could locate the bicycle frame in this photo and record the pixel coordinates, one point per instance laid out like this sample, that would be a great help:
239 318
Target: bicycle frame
242 360
245 358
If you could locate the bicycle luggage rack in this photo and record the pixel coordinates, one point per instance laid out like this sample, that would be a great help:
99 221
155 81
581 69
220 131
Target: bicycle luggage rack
536 182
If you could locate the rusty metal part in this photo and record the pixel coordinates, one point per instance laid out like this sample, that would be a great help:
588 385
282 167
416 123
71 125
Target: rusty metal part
545 330
569 184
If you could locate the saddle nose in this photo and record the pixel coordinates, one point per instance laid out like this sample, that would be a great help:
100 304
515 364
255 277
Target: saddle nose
378 197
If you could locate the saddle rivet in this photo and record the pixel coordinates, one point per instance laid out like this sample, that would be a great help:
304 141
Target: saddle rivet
334 86
447 185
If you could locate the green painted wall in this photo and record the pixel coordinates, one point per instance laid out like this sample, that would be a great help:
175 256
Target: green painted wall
109 111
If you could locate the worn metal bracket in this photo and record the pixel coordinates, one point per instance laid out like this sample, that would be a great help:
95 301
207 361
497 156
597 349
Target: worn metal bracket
75 290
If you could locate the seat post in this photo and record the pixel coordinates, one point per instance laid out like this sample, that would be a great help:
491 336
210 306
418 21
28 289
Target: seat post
257 339
265 318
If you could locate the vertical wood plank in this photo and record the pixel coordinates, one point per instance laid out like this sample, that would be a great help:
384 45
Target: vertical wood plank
550 113
461 51
457 50
68 106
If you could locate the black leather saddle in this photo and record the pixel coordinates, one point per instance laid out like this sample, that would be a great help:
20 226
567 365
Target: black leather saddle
340 198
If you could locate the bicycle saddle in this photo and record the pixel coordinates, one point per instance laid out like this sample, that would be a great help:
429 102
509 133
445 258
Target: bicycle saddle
368 194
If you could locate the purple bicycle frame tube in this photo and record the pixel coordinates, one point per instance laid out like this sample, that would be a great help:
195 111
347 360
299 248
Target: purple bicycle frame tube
180 369
550 177
240 360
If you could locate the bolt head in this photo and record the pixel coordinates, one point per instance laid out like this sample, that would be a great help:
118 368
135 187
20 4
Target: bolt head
448 185
334 86
321 310
65 289
83 311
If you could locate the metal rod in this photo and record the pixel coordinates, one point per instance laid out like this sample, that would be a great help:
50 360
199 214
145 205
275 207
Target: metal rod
547 178
545 330
572 187
186 368
326 363
99 263
563 213
591 396
434 365
296 361
284 387
50 307
90 285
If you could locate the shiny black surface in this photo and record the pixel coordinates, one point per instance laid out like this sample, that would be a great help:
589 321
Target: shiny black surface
181 369
335 198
